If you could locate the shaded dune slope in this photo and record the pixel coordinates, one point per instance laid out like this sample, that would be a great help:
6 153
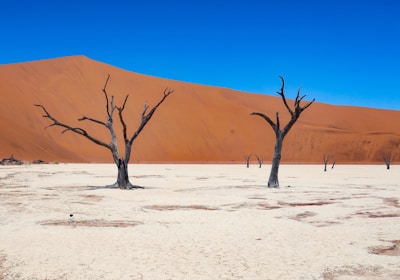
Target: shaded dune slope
197 123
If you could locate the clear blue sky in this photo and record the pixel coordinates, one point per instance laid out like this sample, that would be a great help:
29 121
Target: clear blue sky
343 52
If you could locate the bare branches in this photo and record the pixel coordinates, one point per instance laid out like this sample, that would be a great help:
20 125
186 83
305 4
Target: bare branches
265 117
76 130
294 113
308 105
282 94
120 110
147 117
297 101
297 108
167 92
92 120
110 108
106 96
145 107
122 163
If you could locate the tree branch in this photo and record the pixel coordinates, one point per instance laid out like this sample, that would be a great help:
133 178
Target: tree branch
92 120
294 113
282 94
308 104
278 124
146 118
76 130
297 101
265 117
121 118
106 96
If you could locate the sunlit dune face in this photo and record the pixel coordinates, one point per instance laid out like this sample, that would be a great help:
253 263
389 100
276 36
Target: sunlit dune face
196 124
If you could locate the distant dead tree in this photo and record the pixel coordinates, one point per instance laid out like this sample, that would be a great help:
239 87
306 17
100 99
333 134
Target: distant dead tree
11 161
333 163
121 161
259 160
387 157
280 134
247 158
326 159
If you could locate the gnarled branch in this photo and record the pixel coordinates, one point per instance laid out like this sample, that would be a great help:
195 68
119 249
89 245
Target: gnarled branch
76 130
265 117
282 94
106 97
121 118
147 117
84 118
294 113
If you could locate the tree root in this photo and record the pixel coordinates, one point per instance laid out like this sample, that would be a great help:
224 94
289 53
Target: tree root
128 187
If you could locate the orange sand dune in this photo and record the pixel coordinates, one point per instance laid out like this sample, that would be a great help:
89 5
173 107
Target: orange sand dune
197 123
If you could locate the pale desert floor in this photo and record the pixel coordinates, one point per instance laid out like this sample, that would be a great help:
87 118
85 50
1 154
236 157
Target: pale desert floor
199 222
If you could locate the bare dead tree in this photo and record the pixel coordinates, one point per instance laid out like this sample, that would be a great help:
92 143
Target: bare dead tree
280 134
11 161
387 157
326 159
247 158
259 160
333 164
121 161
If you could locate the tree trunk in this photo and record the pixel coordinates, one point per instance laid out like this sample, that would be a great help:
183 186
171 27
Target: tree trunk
273 181
247 157
123 178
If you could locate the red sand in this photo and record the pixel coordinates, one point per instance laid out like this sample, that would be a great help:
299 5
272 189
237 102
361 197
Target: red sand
196 123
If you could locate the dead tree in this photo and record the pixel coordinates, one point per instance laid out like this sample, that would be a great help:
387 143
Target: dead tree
120 160
259 160
326 159
387 157
280 134
10 161
247 158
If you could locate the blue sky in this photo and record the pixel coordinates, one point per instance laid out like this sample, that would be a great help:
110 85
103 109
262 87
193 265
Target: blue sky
339 52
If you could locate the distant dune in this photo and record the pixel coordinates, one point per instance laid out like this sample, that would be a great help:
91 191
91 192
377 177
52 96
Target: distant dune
196 124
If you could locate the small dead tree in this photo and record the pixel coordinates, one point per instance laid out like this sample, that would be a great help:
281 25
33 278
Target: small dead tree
10 161
333 164
326 159
280 134
259 160
387 157
247 158
120 160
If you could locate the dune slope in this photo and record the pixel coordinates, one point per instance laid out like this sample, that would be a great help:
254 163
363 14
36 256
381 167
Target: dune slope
197 123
